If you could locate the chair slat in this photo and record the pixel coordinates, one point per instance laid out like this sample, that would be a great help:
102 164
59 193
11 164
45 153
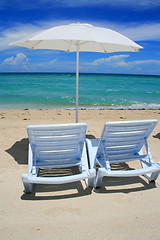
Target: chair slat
57 142
124 138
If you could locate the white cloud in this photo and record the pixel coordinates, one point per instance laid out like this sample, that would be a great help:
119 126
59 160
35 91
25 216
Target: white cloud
134 30
141 32
143 62
19 59
113 59
46 65
23 31
136 4
120 61
30 4
15 33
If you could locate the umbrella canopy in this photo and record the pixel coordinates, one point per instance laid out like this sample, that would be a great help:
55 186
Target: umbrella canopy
80 37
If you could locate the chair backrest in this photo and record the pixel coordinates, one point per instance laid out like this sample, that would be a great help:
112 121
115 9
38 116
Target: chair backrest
122 140
58 145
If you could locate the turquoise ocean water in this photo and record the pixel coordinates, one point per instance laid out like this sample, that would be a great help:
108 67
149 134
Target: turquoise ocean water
52 90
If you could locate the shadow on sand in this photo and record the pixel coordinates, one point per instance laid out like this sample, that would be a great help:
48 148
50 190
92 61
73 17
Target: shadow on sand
56 192
19 151
157 136
124 184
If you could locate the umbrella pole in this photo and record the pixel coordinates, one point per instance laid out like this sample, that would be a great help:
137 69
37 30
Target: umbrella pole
77 81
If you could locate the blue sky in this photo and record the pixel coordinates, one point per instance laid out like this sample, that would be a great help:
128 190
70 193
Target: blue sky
136 19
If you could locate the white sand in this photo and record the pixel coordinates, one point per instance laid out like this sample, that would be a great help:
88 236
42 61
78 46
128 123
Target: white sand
121 209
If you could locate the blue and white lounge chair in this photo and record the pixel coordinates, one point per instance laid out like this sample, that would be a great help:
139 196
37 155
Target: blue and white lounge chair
123 142
57 146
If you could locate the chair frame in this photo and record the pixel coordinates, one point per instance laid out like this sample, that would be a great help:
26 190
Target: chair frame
106 152
87 172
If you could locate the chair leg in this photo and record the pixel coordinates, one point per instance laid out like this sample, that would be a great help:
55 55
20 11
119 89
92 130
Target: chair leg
153 176
98 179
27 185
90 182
91 179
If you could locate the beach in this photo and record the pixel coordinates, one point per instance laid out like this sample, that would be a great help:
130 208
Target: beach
122 209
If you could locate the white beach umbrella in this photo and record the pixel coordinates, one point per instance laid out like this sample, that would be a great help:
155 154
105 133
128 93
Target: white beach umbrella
80 37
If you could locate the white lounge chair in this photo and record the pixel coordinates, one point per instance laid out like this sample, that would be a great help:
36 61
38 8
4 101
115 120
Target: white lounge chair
57 146
123 142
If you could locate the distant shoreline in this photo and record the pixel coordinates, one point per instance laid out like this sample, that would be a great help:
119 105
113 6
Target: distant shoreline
86 108
82 73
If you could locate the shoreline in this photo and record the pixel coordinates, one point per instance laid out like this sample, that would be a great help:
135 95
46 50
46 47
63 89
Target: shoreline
131 107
